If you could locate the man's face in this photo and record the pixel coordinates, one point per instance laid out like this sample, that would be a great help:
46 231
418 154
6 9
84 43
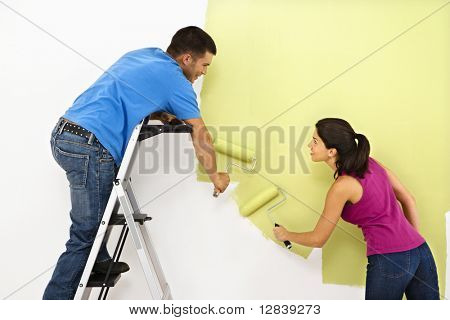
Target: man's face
194 67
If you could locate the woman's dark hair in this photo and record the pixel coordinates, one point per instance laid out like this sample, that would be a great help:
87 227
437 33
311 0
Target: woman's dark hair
193 40
353 148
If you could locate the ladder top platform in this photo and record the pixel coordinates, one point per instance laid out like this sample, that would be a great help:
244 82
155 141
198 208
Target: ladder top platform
151 130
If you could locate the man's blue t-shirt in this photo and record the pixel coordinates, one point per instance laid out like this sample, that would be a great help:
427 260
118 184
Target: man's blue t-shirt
139 83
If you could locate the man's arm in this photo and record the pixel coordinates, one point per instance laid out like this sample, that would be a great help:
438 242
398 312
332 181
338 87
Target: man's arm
204 151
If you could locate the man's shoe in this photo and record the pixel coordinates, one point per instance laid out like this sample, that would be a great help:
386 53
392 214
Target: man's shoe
117 267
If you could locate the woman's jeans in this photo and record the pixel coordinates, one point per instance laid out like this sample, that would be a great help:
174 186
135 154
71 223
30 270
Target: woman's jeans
412 272
90 170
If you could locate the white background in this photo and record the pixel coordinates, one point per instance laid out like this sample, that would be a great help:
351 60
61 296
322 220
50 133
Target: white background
207 250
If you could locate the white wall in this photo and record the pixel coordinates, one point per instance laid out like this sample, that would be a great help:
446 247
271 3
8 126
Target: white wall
207 250
447 270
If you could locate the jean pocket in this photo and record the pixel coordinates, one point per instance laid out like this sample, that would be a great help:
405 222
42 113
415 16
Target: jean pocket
394 265
75 165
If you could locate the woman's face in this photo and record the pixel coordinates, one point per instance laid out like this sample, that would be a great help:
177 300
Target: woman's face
319 151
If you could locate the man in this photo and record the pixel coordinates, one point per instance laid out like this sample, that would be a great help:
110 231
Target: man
90 140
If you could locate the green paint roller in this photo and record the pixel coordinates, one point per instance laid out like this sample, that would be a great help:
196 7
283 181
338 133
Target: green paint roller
237 152
234 151
261 199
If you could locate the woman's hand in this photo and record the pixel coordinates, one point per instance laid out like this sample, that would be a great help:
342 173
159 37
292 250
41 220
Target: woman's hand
281 233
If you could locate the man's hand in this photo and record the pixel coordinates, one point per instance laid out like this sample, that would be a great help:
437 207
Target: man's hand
221 180
162 116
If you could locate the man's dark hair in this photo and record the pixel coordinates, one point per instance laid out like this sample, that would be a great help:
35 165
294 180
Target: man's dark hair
191 40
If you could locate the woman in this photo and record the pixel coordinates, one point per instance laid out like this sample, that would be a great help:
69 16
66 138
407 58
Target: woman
365 193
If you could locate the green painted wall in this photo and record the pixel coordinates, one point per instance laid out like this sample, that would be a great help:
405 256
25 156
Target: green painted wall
382 65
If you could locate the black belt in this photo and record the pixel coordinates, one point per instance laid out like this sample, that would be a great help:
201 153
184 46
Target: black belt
74 128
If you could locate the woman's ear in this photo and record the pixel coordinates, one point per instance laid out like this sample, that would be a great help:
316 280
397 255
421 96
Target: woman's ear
332 152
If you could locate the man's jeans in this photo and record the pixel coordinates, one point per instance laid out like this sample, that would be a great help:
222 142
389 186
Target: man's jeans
90 170
412 272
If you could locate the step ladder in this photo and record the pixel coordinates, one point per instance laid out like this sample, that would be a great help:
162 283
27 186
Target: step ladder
132 221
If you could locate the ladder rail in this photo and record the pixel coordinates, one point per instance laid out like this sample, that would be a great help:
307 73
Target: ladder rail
130 154
136 235
166 294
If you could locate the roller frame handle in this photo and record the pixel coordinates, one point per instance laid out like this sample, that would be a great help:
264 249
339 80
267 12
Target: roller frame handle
287 243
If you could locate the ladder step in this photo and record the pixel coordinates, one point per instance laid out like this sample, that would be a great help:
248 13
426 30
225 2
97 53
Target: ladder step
119 219
96 280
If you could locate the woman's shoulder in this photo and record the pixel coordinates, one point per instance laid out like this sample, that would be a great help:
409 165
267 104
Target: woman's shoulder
345 183
349 188
345 180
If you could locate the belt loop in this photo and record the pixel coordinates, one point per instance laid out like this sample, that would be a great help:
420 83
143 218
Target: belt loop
91 139
60 120
64 122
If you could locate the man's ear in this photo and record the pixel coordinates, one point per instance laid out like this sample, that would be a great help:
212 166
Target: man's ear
187 58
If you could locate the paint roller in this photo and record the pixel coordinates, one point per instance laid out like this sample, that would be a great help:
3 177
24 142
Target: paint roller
261 199
237 152
234 151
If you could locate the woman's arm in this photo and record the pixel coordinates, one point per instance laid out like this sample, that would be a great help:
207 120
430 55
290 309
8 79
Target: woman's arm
340 192
405 198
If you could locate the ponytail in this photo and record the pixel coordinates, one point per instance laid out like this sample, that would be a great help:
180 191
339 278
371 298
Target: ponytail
356 161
